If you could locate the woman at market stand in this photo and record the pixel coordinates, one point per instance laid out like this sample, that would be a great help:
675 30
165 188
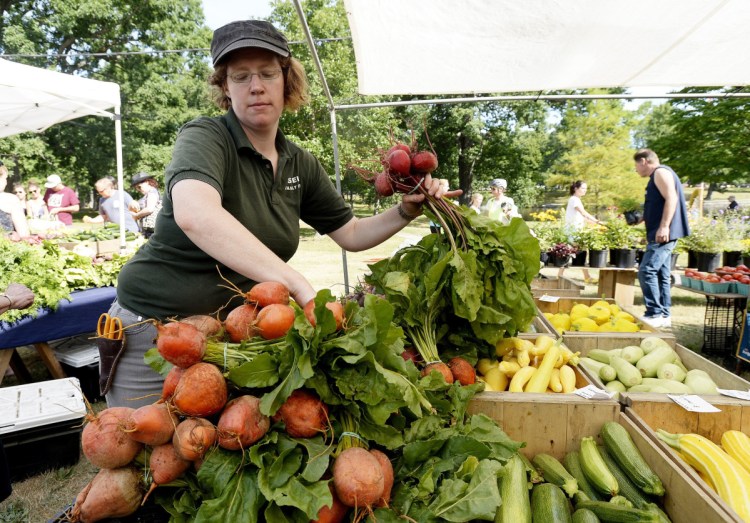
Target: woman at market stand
12 213
35 206
576 218
235 191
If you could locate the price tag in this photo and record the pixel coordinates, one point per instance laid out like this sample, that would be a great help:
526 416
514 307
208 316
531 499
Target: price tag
551 299
590 392
739 394
693 403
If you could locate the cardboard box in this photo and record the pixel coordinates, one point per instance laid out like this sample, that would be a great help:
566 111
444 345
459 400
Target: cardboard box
556 424
40 425
692 360
108 246
79 358
650 412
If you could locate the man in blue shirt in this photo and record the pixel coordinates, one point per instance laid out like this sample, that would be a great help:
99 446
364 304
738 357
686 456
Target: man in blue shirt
665 214
109 206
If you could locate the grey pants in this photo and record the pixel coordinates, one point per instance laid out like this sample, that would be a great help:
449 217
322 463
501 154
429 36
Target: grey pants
135 383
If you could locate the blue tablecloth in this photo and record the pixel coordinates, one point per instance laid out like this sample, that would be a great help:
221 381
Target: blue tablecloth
72 318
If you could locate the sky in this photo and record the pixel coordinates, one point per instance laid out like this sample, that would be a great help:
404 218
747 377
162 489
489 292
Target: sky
220 12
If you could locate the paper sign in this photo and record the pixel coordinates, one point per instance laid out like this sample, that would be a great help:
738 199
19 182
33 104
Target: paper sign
739 394
551 299
693 403
590 392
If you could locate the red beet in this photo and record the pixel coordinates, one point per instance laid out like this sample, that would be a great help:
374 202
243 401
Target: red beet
304 414
201 391
240 322
440 367
399 162
462 371
105 442
268 292
383 185
424 162
241 423
274 321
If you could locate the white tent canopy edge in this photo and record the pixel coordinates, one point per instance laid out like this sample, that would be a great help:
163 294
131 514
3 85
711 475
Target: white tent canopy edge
475 46
33 99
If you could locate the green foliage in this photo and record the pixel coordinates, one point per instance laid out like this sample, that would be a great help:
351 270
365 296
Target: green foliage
595 144
620 235
591 238
51 273
702 139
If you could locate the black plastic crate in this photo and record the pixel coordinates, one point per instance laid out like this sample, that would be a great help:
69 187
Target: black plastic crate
36 450
88 376
723 322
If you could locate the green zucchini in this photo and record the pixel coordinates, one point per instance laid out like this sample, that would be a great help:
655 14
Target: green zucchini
572 463
595 470
627 487
555 473
584 515
549 504
614 513
621 500
602 355
620 445
514 492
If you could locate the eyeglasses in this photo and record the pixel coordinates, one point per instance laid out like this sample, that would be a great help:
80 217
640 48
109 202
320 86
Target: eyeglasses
245 77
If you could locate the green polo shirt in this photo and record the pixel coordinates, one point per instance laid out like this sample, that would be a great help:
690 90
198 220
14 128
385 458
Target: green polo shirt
170 276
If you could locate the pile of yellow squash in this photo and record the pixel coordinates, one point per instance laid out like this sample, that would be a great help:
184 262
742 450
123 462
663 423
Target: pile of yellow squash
544 365
601 316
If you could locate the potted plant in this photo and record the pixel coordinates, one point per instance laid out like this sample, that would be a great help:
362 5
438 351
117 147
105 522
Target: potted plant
631 208
549 233
623 240
561 254
736 229
706 240
593 240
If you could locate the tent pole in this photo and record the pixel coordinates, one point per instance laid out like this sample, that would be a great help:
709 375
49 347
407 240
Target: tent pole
120 184
332 107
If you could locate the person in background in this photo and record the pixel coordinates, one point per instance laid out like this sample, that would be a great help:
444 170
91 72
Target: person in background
12 213
733 205
15 296
61 201
20 191
476 202
501 207
665 214
576 218
35 206
235 191
146 209
109 206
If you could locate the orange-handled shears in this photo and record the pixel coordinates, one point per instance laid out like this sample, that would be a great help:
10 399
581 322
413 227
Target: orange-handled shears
109 327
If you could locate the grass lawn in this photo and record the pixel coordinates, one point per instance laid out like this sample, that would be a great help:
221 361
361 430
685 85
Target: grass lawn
320 260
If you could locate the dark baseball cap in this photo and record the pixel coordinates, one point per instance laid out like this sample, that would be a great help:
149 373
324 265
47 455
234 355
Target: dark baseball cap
247 33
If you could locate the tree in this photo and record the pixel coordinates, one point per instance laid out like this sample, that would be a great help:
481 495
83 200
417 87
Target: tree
703 139
595 144
159 91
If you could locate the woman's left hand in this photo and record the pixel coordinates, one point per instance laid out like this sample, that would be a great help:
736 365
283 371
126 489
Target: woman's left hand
436 187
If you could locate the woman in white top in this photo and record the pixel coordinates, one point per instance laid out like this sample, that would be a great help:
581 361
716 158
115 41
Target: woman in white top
35 206
576 217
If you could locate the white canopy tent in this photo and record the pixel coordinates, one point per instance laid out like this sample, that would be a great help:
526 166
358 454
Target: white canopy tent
33 99
481 48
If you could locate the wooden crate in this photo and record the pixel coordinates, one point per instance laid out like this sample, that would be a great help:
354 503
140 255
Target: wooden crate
582 380
555 287
556 424
540 325
692 360
564 304
655 411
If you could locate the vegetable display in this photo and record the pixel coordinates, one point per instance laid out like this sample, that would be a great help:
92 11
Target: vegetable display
294 427
52 273
652 366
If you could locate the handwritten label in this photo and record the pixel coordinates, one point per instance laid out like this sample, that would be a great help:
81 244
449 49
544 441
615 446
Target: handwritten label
739 394
693 403
551 299
590 392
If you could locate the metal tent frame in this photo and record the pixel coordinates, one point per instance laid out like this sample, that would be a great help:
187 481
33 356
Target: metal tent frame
333 107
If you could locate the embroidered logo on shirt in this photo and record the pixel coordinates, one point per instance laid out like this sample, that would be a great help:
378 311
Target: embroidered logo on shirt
292 184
